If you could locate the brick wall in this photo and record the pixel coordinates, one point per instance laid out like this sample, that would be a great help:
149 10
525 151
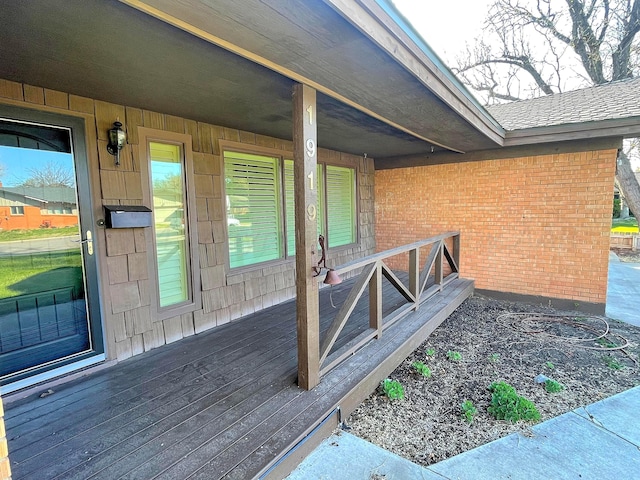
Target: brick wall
130 328
532 226
33 218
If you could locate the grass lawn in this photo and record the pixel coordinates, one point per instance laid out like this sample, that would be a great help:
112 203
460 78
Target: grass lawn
13 235
26 274
624 225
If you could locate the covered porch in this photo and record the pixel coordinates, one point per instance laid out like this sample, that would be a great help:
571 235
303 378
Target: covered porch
225 403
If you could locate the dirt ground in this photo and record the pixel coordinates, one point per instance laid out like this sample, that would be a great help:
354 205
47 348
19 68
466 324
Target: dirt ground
591 357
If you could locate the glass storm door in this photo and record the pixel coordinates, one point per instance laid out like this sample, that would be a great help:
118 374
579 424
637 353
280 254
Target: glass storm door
45 250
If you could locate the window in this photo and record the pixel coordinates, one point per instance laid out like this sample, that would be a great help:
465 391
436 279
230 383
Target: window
17 210
260 207
174 261
254 209
168 193
341 205
174 265
57 209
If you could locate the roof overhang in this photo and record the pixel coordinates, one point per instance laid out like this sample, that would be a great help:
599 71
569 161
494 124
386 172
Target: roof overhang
565 145
572 137
622 127
234 64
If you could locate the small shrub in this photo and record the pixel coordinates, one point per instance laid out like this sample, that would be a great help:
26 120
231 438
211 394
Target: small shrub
430 352
468 410
506 404
607 343
494 357
454 356
551 386
549 365
613 363
393 389
421 368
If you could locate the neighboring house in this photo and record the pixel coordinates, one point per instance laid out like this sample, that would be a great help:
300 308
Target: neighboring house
387 145
26 208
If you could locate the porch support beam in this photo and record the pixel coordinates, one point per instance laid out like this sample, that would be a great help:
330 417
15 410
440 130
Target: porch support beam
375 300
305 161
414 274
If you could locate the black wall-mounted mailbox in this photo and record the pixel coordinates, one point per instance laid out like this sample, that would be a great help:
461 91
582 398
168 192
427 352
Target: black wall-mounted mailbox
127 216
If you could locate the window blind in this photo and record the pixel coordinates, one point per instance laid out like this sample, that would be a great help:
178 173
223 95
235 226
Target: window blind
340 206
253 208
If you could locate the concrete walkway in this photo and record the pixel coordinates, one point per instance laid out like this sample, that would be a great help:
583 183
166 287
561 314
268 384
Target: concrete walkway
623 291
600 441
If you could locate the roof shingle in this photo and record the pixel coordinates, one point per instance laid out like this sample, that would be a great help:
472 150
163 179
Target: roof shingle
609 101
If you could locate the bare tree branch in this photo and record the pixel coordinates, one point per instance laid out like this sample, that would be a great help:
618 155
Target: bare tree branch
622 54
51 174
595 40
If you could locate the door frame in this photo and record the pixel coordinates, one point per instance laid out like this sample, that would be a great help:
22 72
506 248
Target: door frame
78 127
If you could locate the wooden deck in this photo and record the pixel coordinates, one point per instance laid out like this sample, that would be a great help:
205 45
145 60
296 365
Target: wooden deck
222 404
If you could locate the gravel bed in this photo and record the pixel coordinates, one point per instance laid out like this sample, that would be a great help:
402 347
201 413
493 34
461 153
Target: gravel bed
497 341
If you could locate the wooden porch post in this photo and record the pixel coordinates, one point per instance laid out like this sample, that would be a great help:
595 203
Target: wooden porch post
305 163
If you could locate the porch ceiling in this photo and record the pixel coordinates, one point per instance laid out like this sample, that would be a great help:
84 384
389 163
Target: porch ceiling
110 51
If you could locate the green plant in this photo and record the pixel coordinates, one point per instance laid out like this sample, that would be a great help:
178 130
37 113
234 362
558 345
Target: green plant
468 410
494 357
607 343
393 389
454 356
552 386
549 365
430 352
506 404
421 368
613 363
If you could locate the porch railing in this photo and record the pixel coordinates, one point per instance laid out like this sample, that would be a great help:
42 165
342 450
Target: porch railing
441 248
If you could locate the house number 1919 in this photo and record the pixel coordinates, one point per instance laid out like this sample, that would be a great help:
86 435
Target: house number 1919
310 150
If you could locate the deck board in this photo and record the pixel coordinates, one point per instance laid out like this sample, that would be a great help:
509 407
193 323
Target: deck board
127 379
222 404
92 410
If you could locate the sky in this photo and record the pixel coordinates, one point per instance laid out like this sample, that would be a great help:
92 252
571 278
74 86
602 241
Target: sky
16 163
446 25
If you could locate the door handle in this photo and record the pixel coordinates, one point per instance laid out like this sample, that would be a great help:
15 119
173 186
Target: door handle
88 241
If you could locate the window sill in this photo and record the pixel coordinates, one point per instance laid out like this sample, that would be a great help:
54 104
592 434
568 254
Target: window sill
259 266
